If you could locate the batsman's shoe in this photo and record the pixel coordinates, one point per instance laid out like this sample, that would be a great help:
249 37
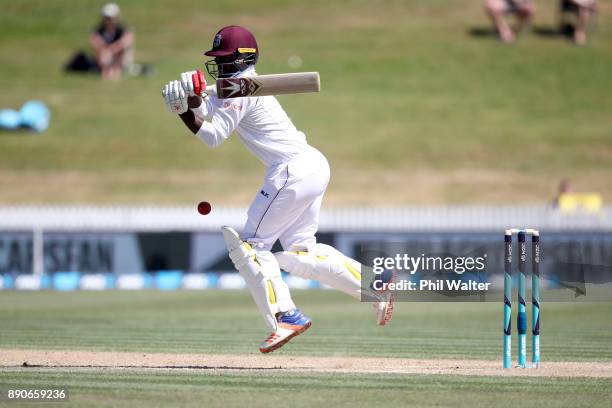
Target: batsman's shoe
384 308
290 324
384 299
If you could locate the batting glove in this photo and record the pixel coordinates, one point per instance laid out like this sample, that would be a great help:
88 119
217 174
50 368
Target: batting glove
175 97
193 82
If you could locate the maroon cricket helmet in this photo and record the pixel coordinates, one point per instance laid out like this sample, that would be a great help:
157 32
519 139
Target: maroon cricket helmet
234 50
232 40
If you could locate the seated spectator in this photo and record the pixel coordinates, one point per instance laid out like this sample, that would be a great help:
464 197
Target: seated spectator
113 43
498 9
583 9
568 201
565 187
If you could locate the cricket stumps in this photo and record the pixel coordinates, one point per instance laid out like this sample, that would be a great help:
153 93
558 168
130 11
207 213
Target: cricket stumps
521 320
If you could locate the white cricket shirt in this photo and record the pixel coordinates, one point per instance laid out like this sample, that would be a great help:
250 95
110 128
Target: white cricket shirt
260 123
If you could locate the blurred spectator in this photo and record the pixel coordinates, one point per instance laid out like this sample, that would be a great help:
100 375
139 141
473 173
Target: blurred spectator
498 9
570 202
565 187
580 12
113 43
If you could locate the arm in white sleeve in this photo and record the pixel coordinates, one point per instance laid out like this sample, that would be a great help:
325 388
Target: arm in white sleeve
222 123
203 112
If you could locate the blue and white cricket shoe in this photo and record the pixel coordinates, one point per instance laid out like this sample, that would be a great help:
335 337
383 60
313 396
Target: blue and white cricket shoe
290 324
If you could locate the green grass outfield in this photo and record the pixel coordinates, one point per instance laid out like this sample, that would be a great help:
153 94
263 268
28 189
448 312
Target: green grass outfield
226 322
232 389
410 102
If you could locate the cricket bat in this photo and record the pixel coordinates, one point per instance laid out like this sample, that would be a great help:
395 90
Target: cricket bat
262 85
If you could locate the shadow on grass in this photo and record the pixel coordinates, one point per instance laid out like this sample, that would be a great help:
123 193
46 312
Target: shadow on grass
565 32
547 31
540 31
482 32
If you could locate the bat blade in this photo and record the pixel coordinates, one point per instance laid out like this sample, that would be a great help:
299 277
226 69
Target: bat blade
262 85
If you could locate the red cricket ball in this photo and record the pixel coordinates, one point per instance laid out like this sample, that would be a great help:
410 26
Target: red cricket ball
204 207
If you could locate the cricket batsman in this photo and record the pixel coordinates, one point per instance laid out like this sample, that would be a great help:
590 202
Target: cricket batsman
287 205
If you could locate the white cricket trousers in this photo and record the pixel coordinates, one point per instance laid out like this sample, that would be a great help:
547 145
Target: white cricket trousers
288 204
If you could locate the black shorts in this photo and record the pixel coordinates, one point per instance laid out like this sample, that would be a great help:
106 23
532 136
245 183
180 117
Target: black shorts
512 6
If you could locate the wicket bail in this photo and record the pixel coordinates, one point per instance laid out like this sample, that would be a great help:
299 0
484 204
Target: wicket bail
535 298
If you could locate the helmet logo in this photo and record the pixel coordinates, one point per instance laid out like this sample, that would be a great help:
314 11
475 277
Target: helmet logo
217 41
